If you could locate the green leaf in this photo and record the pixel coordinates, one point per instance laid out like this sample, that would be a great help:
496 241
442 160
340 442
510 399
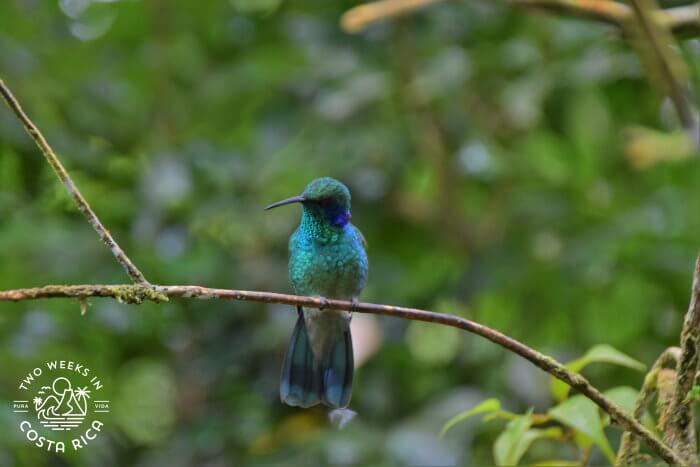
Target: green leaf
582 441
512 443
602 353
146 399
624 396
581 414
546 155
534 434
588 129
487 406
517 438
432 345
500 414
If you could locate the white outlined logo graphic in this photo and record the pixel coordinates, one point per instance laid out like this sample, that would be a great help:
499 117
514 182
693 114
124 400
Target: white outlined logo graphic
62 396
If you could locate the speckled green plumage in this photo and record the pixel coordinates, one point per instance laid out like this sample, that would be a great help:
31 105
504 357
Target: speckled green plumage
326 258
327 261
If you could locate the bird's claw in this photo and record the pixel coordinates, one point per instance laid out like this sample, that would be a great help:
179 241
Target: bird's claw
324 304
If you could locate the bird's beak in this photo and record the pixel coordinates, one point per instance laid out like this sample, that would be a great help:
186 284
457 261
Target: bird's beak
293 199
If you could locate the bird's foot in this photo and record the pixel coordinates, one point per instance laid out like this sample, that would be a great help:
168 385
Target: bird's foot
324 303
355 303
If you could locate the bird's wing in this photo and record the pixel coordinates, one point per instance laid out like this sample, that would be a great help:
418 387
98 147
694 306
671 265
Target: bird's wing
360 236
292 240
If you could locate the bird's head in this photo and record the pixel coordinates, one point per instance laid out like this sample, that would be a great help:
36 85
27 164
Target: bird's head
324 198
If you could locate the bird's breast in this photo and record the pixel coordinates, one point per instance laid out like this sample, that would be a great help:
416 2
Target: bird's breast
334 269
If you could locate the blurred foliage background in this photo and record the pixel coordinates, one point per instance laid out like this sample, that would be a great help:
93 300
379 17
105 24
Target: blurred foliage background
483 146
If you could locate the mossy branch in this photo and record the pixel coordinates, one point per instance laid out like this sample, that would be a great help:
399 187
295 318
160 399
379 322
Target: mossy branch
672 385
628 453
679 430
158 293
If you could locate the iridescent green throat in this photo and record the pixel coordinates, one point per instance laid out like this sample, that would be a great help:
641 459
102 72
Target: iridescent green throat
315 225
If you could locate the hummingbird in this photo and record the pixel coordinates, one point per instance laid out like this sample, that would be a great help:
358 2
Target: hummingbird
327 259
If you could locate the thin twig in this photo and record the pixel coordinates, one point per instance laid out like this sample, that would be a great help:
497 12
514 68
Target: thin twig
62 174
358 18
585 456
665 388
679 20
158 293
629 445
604 11
679 432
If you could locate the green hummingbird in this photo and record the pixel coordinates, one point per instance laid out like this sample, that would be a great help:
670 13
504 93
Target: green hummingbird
327 259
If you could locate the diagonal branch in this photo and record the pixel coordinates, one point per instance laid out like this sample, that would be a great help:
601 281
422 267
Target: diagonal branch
62 174
604 11
139 293
680 20
676 418
629 445
358 18
679 431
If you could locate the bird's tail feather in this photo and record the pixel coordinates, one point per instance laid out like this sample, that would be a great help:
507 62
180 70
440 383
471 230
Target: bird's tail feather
306 382
338 372
300 384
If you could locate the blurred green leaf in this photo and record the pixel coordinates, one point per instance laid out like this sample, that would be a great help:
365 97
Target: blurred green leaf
624 396
632 298
517 438
487 406
601 353
145 402
581 414
547 156
10 171
434 345
588 129
513 442
497 310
